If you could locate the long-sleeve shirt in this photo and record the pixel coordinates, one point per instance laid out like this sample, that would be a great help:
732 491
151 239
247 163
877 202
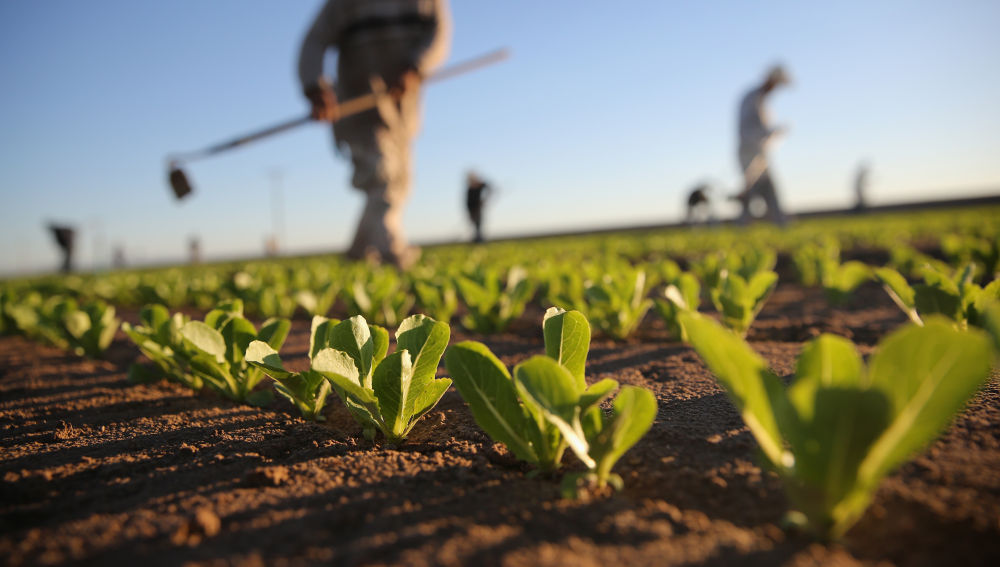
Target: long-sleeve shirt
384 37
754 126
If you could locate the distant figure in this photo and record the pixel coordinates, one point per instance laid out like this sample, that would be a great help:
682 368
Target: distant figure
861 186
477 192
118 257
699 208
194 250
390 44
64 236
756 135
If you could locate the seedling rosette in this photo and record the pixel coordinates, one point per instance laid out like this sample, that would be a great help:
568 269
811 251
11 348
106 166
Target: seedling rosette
209 352
492 302
739 300
546 406
955 296
839 428
384 393
306 390
683 294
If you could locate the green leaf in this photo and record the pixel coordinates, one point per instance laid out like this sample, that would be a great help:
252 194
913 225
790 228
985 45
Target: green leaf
633 414
900 292
354 337
205 339
829 442
237 333
380 343
391 382
274 332
486 386
927 373
77 324
426 340
567 340
549 389
930 300
751 387
261 355
826 362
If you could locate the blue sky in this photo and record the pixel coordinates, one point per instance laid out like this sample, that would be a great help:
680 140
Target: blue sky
606 114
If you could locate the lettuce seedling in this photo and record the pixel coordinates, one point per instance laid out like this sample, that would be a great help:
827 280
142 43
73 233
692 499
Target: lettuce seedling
821 265
492 302
437 299
320 301
547 406
306 390
218 346
384 393
683 294
616 304
91 328
60 321
839 428
158 336
380 296
739 300
953 296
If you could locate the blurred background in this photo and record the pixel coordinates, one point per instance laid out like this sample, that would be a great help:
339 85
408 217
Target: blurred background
606 115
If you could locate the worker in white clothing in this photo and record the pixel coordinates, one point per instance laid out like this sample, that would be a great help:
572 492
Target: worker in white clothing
756 135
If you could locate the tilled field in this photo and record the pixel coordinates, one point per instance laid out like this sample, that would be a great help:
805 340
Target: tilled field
95 470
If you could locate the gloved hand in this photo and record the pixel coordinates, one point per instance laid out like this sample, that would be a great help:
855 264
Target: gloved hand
324 102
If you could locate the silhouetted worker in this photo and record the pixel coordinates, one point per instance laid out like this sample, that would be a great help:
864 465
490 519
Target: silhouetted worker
861 186
194 250
699 209
476 194
756 135
395 43
64 236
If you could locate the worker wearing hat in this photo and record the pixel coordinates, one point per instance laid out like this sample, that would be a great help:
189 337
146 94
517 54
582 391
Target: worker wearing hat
388 44
756 135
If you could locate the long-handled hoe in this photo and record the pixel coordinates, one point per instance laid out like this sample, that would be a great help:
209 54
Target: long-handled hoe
181 185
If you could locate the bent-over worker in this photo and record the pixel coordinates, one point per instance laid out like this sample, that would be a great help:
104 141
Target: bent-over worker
756 135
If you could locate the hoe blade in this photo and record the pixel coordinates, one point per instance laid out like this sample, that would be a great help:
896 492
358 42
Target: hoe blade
179 183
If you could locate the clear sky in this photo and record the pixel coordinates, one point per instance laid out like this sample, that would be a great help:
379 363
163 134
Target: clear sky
607 114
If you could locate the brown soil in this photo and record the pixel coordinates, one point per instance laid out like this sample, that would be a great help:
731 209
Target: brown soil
94 470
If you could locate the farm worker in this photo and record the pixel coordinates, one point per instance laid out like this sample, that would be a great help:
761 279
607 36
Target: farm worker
756 135
476 193
861 186
391 44
699 208
64 237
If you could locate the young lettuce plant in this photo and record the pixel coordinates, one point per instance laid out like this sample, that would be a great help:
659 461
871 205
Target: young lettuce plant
306 390
683 294
547 406
616 304
437 299
158 336
492 303
384 393
380 296
218 345
739 300
839 428
953 296
91 328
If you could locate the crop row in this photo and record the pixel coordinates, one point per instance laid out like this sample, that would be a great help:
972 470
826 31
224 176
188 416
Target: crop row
832 434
